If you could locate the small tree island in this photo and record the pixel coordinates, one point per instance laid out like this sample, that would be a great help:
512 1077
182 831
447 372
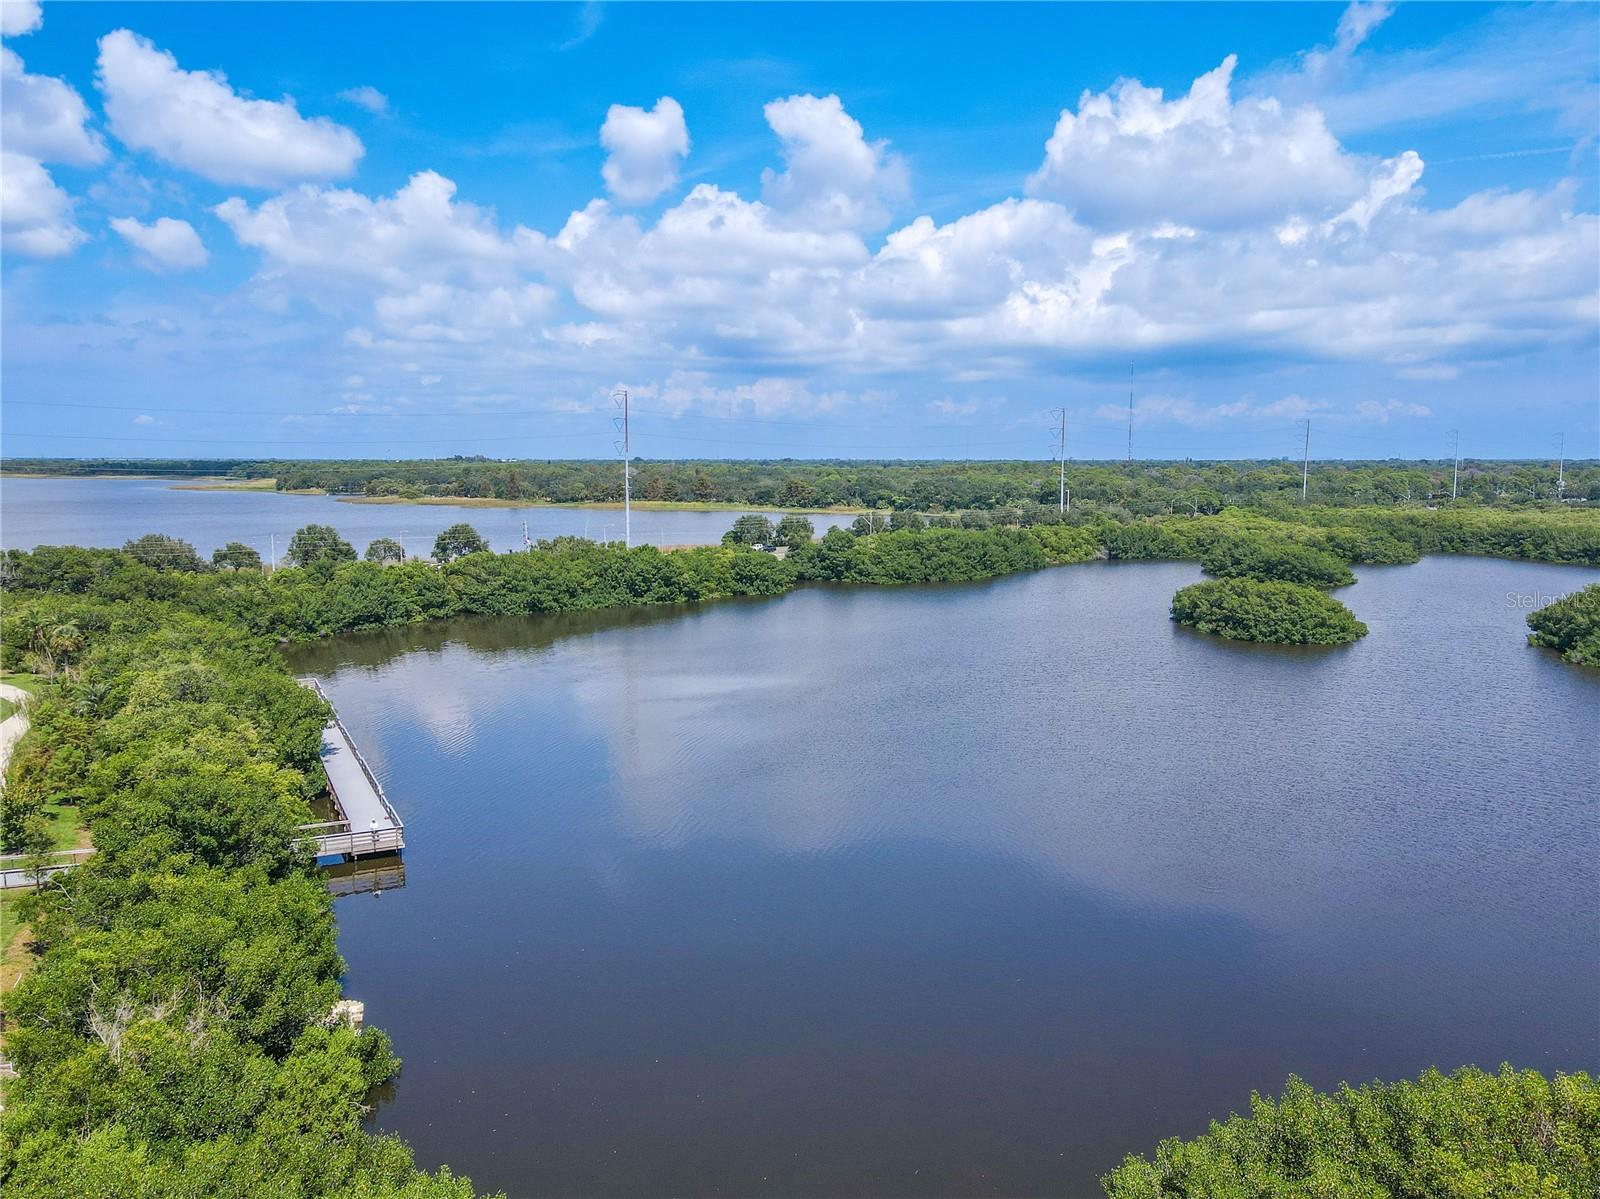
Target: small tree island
1571 626
1256 610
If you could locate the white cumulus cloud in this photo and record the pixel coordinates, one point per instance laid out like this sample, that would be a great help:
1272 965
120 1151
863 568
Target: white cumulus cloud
419 262
20 16
643 149
166 244
1129 157
833 178
196 120
1342 263
36 216
43 117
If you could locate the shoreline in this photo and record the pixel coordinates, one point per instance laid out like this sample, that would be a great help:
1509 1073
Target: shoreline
441 501
266 486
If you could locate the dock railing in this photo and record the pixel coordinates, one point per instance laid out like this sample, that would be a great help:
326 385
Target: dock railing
338 837
18 870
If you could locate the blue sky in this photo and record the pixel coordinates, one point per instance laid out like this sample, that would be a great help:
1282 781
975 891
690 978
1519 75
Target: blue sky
839 230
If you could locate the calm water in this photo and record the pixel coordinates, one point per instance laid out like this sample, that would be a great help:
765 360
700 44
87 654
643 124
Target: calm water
111 511
960 891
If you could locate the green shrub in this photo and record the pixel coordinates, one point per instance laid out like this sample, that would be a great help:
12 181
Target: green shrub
1254 610
1514 1135
1066 543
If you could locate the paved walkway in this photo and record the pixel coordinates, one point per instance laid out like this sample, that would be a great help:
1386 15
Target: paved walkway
13 726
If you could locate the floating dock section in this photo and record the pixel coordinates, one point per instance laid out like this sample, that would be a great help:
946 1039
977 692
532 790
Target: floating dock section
367 825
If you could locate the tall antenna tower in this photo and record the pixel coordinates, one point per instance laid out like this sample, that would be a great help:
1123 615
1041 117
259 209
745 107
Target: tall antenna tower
1130 410
619 399
1455 455
1061 455
1305 463
1561 465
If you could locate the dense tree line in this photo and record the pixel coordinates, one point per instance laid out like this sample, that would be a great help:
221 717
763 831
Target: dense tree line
1141 488
174 1036
1571 625
1286 561
1514 1133
1366 535
335 593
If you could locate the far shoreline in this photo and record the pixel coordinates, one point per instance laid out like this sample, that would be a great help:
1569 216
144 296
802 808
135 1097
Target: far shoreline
222 483
466 501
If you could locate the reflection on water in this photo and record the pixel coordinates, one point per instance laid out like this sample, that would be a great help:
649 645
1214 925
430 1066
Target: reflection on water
962 890
365 876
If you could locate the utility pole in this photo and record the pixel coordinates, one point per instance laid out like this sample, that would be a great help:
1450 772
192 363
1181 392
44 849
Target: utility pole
1130 410
619 398
1455 455
1305 463
1061 454
1561 466
273 550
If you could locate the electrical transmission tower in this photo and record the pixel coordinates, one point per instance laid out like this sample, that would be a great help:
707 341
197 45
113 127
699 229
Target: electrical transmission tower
619 398
1061 455
1305 463
1130 410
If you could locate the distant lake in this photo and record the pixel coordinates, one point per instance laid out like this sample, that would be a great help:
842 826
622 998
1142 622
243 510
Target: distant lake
966 890
108 512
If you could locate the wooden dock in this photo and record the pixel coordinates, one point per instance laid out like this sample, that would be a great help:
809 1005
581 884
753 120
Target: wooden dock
367 824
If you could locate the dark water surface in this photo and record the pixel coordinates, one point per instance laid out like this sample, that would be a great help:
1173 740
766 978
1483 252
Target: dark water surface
960 891
108 512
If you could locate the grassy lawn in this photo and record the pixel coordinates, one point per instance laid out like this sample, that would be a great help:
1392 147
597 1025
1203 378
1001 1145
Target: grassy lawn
10 926
66 827
228 485
28 682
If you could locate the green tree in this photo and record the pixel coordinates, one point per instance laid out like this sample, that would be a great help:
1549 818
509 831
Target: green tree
750 529
160 552
457 541
319 545
797 493
385 549
794 531
703 488
236 555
